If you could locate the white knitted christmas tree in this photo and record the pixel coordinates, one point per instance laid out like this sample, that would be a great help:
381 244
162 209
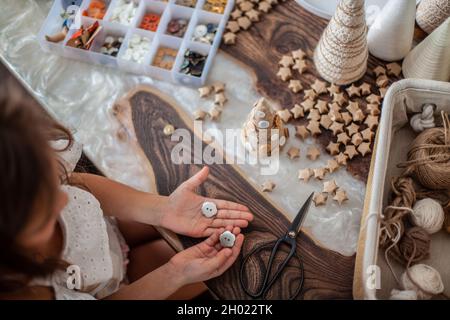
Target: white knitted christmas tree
341 55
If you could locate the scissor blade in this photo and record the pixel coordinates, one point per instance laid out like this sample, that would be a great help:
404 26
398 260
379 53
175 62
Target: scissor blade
298 221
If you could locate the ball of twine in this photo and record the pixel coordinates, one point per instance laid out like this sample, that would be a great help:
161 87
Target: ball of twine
428 214
424 280
429 157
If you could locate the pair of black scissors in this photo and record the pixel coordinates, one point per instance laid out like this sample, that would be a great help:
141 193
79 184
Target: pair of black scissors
290 239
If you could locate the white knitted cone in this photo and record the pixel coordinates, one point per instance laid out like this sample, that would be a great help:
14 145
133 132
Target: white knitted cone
391 35
432 13
341 55
431 58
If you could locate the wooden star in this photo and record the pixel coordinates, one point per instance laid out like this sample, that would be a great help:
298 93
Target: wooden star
305 174
300 66
332 165
268 186
219 87
341 196
284 74
264 6
325 121
358 116
346 117
286 61
333 148
352 129
350 151
233 26
334 107
335 116
357 139
339 98
320 199
373 109
204 92
298 54
379 71
333 89
382 81
293 153
310 94
341 159
394 69
343 138
313 153
371 122
314 115
314 128
353 91
373 99
199 114
308 104
353 106
229 38
220 99
367 135
319 87
295 86
319 173
236 14
301 132
297 112
244 23
330 186
246 6
285 115
253 15
364 148
383 91
321 106
215 113
365 88
337 128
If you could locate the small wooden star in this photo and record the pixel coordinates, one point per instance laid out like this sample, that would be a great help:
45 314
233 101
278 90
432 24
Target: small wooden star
382 81
364 148
379 71
305 174
320 199
215 113
333 148
358 116
373 109
352 129
343 138
353 106
199 114
233 26
295 86
301 132
310 94
298 54
351 152
229 38
220 99
346 117
332 165
321 106
285 115
357 139
335 116
319 87
367 135
236 14
308 104
297 112
371 122
333 89
314 128
394 69
268 186
204 92
284 74
383 91
353 91
264 6
293 153
244 23
373 99
286 61
313 153
365 88
253 15
341 159
334 107
246 6
314 115
339 98
300 66
319 173
219 87
325 121
337 128
341 196
330 186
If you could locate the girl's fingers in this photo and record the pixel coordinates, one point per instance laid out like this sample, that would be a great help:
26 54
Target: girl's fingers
234 214
217 223
234 254
224 204
215 264
214 237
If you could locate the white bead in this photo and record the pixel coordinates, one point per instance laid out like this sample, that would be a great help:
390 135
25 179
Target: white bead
209 209
227 239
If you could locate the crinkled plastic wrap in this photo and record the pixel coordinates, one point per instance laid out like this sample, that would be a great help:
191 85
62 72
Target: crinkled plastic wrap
81 96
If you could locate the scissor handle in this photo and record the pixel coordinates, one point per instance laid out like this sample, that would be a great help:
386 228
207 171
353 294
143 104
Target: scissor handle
267 283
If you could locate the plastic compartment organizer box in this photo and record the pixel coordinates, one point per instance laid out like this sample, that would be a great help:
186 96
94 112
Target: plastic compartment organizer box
158 39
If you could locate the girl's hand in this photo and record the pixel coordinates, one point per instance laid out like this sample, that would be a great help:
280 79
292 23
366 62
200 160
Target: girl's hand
184 215
207 259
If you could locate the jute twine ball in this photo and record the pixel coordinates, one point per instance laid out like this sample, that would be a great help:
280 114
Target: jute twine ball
424 280
428 214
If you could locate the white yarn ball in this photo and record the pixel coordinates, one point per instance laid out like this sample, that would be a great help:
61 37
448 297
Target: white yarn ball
403 295
426 277
428 214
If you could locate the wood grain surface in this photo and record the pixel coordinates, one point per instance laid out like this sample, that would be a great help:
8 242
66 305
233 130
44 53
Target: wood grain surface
285 28
328 275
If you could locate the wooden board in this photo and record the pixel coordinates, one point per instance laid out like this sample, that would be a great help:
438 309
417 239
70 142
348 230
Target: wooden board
286 28
143 114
